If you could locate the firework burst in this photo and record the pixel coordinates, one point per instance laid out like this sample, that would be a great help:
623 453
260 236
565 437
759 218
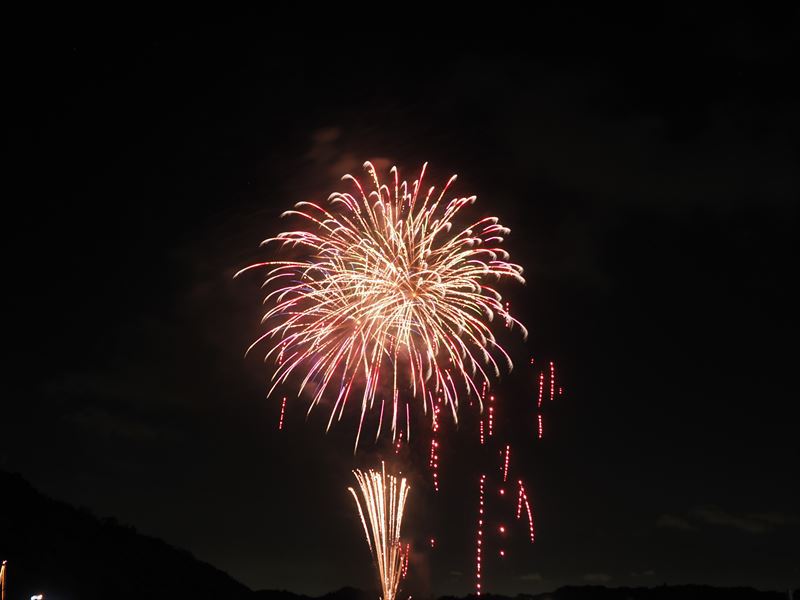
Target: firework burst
384 500
389 294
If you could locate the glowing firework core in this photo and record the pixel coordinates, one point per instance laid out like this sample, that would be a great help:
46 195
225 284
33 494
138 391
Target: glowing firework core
389 293
384 501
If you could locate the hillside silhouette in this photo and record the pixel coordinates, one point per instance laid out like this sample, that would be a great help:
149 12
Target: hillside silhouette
664 592
69 554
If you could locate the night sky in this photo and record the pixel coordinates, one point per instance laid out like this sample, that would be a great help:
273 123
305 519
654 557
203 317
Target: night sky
647 165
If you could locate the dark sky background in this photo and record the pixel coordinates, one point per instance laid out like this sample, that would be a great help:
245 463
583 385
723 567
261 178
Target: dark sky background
648 166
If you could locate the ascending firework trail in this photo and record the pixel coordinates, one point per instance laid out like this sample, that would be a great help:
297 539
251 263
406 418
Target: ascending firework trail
384 500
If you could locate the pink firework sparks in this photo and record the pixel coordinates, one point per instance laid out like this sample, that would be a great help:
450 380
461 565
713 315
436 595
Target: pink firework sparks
406 556
541 390
283 411
479 543
491 416
523 500
505 463
433 462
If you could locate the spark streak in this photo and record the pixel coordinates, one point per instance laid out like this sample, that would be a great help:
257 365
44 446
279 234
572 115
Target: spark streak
406 556
523 499
433 462
283 411
541 390
491 416
480 537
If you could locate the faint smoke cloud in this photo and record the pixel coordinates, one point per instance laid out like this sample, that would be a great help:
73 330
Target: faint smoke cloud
329 154
647 573
755 523
597 578
673 522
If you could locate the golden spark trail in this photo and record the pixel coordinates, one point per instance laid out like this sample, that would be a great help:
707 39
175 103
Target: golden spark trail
388 293
384 500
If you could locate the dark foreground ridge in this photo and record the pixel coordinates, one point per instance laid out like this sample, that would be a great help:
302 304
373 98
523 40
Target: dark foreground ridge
69 554
664 592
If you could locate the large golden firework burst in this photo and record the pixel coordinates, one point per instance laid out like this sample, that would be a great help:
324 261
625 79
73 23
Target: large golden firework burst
389 296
